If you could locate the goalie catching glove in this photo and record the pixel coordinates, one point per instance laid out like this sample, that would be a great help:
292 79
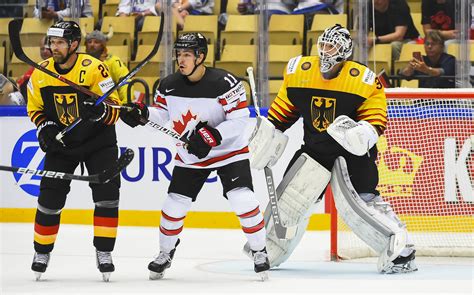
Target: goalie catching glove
203 139
138 115
356 137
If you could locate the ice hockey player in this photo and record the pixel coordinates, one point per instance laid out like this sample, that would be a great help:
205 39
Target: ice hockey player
208 107
52 106
344 111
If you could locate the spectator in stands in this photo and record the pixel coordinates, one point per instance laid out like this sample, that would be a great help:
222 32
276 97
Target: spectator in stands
194 7
312 7
439 15
45 53
393 24
435 63
273 6
96 45
176 11
59 9
137 8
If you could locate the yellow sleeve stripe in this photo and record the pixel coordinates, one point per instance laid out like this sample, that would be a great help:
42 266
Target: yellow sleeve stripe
37 117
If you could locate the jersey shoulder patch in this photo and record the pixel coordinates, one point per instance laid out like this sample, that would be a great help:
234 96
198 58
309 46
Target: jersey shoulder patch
86 62
106 85
293 64
368 77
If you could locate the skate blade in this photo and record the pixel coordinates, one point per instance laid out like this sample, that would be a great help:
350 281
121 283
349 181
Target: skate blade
156 275
263 275
38 275
106 276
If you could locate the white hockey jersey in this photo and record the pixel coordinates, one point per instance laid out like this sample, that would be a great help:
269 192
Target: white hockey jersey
218 99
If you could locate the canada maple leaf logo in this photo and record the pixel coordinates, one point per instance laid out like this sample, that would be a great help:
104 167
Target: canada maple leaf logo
179 126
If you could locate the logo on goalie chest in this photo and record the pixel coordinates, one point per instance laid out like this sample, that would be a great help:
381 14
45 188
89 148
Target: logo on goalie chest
323 111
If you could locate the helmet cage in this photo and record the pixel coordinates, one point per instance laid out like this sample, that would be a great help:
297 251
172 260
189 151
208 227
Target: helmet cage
334 46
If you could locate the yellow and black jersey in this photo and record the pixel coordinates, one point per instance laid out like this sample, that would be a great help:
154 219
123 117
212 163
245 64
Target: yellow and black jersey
117 70
51 99
355 92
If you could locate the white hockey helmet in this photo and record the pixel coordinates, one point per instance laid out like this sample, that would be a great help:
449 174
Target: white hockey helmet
334 46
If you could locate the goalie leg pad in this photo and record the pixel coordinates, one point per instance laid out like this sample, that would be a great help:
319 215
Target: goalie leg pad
298 191
280 250
367 220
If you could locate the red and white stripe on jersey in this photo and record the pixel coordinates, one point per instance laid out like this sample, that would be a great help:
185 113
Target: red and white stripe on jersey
160 101
215 160
234 99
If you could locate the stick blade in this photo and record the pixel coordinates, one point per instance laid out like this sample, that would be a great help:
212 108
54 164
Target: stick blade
121 163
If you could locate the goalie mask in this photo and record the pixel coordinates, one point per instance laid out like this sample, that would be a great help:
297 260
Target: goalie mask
334 46
194 41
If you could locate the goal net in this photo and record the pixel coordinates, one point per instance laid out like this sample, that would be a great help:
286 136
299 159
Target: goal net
426 172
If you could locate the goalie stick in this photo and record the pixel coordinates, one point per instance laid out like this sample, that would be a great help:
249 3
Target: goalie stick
14 28
280 230
102 177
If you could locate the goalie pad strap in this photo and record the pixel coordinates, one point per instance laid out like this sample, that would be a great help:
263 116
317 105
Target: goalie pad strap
372 226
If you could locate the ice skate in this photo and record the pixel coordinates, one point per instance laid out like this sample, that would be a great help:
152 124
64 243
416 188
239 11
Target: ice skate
261 263
163 261
401 265
105 264
40 263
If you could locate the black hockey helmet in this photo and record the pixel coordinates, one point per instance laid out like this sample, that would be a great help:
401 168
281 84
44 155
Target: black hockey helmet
68 30
195 41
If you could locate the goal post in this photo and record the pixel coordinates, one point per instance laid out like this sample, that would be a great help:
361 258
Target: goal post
426 172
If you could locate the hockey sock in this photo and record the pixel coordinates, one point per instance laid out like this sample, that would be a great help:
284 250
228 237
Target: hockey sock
46 229
245 205
105 226
172 219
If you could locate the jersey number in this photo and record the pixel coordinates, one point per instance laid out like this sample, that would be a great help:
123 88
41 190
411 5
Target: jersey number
232 81
102 71
379 84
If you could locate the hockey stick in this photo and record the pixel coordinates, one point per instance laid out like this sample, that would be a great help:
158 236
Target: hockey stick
14 28
280 230
166 131
102 177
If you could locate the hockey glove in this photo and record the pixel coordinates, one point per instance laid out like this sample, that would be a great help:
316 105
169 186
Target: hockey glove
203 139
47 132
93 112
137 116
